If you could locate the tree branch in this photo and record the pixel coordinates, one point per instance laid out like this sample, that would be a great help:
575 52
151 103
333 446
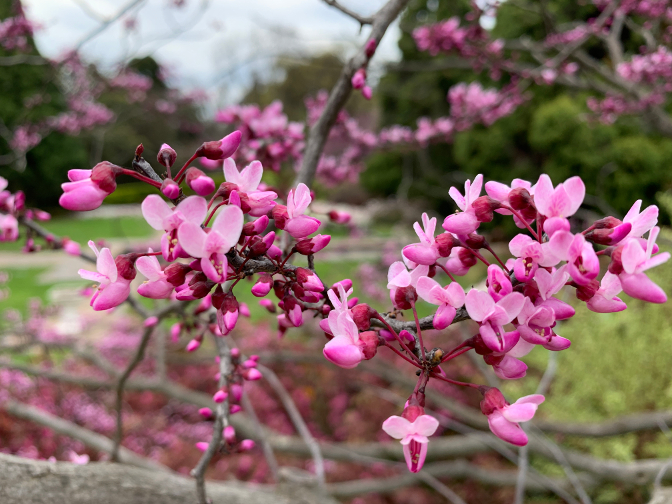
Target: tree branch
362 20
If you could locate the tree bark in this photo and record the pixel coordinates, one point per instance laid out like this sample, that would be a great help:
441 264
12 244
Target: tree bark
24 481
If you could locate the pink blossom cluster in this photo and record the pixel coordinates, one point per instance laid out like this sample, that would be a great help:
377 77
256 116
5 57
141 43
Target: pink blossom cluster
12 208
516 310
566 37
15 32
651 68
654 9
135 83
25 138
471 104
267 134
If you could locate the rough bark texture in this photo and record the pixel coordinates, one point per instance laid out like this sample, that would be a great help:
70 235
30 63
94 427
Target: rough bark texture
25 481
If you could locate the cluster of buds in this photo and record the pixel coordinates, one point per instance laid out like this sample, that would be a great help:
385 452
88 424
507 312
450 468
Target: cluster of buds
12 208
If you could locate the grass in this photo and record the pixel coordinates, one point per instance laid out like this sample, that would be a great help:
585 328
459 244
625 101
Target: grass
83 230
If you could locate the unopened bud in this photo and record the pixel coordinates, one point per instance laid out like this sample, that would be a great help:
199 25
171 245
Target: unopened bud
475 241
492 400
586 292
369 344
126 265
256 227
166 156
199 182
170 188
220 149
362 315
280 216
485 207
446 242
176 273
312 245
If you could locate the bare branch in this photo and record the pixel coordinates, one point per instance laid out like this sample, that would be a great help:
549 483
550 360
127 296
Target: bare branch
23 59
362 20
265 445
341 92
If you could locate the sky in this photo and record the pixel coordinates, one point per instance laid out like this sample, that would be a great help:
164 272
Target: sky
215 45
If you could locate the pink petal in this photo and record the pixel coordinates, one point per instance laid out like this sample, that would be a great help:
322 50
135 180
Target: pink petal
632 256
510 368
155 210
192 239
91 275
149 266
420 253
455 294
193 208
458 198
229 224
343 353
519 412
397 427
443 317
425 425
301 199
251 176
498 191
512 304
518 244
642 287
105 264
601 304
461 223
533 399
73 176
160 289
508 431
424 289
576 191
479 304
302 226
543 193
112 295
475 189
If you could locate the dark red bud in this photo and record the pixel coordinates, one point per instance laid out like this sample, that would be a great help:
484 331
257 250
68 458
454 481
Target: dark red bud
139 150
218 297
279 289
484 208
176 273
197 278
493 360
476 342
475 241
126 265
431 273
616 265
257 247
166 156
229 303
370 342
466 257
492 400
404 296
446 242
280 216
607 223
201 289
104 175
586 292
362 315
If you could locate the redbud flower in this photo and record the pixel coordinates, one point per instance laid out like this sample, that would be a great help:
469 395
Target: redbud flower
345 348
529 253
227 313
263 285
199 182
71 247
503 418
212 246
312 245
605 300
205 413
256 227
636 260
247 181
398 277
499 284
448 298
9 228
220 396
362 315
465 222
297 224
170 188
339 217
414 437
641 221
493 316
229 433
151 321
113 288
367 93
220 149
157 285
160 216
427 251
308 280
558 203
88 188
247 445
202 445
193 345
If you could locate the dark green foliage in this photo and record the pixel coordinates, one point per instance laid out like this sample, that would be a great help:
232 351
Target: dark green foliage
551 133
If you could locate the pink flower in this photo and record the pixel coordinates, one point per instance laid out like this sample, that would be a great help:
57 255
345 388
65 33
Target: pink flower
641 221
506 366
548 285
247 181
71 247
78 459
605 300
297 224
503 418
535 325
413 436
499 284
345 348
157 286
220 149
398 277
465 222
635 262
427 251
114 288
561 202
529 253
582 263
9 228
493 316
199 182
448 298
88 188
162 217
212 246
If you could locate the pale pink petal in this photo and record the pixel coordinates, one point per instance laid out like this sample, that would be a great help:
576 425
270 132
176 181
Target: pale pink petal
301 198
642 287
518 244
73 176
632 256
633 213
302 226
397 268
462 223
105 264
424 288
508 431
519 412
424 425
251 176
543 193
533 399
512 304
155 210
342 352
112 295
149 266
192 239
475 189
231 173
602 304
91 275
458 198
576 191
521 349
455 294
229 224
397 427
444 316
498 191
420 253
479 304
193 208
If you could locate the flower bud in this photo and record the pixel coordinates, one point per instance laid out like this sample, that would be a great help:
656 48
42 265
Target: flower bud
346 283
268 304
280 216
220 149
521 200
609 236
466 257
369 344
607 223
247 445
586 292
199 182
475 241
312 245
220 396
176 273
370 47
166 156
308 280
367 93
229 434
485 207
170 188
339 217
362 315
256 227
104 176
359 79
404 296
445 243
193 345
412 412
202 445
126 265
492 400
234 408
616 265
205 413
263 285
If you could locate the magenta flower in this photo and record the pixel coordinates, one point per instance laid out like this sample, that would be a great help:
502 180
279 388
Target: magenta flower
221 149
503 418
582 263
605 299
550 284
641 221
465 222
635 262
499 284
500 192
162 217
247 181
212 246
535 325
113 288
529 253
506 366
493 316
157 285
398 277
199 182
345 348
413 436
9 228
297 224
427 251
448 298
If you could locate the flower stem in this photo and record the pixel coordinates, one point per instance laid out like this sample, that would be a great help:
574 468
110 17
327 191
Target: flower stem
182 170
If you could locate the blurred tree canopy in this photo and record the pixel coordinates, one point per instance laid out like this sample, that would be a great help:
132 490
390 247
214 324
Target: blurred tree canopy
550 133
